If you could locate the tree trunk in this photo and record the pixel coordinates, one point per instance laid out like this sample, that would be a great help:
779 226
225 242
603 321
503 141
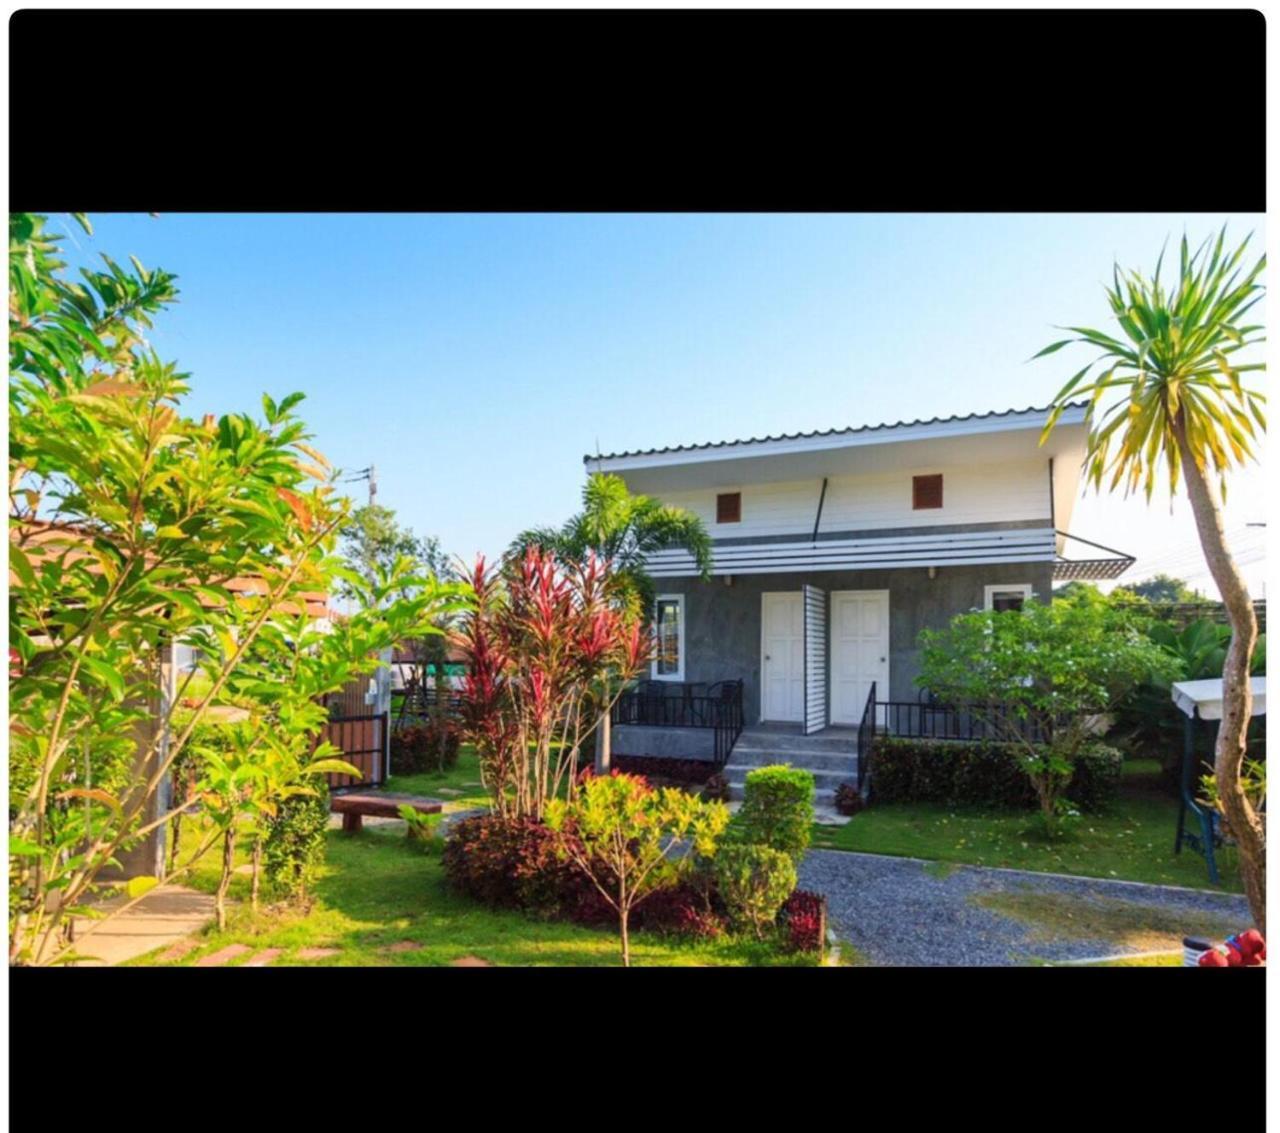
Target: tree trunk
1237 697
604 745
626 940
228 857
257 873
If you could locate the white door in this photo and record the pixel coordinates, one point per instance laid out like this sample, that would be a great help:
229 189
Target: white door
859 651
782 662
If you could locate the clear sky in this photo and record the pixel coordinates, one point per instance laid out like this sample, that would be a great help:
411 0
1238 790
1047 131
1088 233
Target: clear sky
476 358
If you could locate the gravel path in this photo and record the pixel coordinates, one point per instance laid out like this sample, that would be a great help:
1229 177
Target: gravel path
907 911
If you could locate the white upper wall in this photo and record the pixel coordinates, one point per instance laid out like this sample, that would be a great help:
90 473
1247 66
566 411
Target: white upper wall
971 493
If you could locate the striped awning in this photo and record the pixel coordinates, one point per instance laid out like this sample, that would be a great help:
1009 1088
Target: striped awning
966 548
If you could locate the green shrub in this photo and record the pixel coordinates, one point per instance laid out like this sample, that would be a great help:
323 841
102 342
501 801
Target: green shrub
753 881
777 810
293 850
981 773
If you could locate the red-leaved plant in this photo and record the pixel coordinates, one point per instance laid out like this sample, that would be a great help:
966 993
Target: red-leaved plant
549 650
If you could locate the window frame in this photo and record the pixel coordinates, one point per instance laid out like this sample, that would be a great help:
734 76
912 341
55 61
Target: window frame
990 591
682 638
724 495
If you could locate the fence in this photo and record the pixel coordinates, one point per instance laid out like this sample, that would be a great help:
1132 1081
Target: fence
670 704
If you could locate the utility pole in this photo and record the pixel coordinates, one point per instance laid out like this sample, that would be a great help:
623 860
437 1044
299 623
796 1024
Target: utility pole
370 474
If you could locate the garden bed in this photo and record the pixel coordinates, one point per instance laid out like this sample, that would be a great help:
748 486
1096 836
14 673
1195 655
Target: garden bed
380 901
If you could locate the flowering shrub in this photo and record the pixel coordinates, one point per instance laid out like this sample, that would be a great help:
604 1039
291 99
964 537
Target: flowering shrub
804 914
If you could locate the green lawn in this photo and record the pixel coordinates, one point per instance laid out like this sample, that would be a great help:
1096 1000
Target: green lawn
463 778
1134 841
377 890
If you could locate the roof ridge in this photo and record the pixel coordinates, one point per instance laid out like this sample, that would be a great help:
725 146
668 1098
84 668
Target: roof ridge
848 429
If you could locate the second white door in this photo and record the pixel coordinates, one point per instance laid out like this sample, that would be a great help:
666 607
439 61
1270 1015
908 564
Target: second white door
859 651
782 662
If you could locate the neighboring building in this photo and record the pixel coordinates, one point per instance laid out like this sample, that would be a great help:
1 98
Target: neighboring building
833 550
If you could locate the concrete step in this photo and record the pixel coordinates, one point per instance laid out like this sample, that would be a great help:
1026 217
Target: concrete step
815 761
822 780
822 796
845 739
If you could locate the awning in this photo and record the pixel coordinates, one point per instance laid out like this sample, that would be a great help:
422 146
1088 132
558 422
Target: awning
1093 568
1205 697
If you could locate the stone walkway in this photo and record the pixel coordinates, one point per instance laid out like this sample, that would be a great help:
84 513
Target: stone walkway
907 911
166 915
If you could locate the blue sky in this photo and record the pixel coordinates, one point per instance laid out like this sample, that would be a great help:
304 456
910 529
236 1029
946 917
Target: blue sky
475 358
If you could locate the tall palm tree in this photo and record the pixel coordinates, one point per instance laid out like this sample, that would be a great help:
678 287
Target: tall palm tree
624 529
1187 415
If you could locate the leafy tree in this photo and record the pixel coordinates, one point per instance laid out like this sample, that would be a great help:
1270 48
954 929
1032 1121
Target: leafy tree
547 656
1162 588
624 836
622 530
129 522
1038 678
1187 415
372 541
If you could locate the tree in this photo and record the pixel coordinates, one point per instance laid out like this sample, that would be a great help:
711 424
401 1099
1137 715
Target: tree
622 530
623 835
547 655
1186 414
1039 678
1162 588
129 524
372 541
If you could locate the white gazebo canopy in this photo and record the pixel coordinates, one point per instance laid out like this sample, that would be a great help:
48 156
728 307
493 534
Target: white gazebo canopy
1206 696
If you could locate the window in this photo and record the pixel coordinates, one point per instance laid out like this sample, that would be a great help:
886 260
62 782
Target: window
926 491
1009 597
729 507
668 659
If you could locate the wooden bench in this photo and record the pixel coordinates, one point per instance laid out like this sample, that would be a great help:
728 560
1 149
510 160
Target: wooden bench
377 804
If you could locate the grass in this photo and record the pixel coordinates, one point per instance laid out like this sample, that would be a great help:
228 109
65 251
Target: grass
463 778
377 890
1133 841
1118 924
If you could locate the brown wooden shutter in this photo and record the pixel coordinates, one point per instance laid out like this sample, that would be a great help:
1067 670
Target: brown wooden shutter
729 507
926 491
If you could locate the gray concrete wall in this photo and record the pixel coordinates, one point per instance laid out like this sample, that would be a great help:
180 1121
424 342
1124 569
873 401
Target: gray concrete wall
670 743
723 621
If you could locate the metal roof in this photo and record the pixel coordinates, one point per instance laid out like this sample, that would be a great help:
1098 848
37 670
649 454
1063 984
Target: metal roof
847 431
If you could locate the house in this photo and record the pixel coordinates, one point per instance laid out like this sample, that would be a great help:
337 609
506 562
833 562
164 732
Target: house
832 551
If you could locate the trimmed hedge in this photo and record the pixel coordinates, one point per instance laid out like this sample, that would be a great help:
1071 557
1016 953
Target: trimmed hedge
981 773
777 810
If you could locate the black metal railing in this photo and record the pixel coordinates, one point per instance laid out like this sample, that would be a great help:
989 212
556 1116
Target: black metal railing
670 704
866 729
929 718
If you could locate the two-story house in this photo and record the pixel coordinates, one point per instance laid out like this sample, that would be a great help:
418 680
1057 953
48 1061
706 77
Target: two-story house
832 551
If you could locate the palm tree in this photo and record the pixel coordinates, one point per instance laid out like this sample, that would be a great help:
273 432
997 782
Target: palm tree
624 529
1187 415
